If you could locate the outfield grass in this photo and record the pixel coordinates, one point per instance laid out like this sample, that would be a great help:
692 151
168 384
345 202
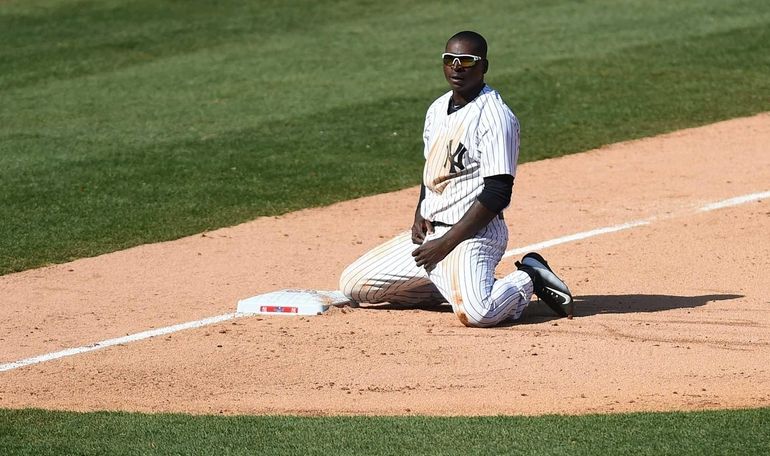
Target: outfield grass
35 432
124 122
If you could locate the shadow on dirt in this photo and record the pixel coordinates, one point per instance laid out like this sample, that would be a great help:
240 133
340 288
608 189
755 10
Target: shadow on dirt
618 304
589 305
428 307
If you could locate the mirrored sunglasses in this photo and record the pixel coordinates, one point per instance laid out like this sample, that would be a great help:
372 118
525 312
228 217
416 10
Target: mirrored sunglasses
464 60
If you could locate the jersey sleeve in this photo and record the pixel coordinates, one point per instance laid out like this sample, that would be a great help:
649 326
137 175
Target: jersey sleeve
499 141
426 131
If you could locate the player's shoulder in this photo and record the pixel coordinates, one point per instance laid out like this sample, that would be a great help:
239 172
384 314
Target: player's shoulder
443 100
496 109
491 98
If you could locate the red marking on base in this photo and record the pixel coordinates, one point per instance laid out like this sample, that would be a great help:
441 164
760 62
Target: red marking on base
278 309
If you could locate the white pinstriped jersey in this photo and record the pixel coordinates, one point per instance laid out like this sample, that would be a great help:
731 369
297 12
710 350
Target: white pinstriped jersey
477 141
461 149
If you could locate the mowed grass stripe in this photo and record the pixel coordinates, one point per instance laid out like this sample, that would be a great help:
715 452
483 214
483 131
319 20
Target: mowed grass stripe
94 195
45 40
123 123
38 432
54 40
205 80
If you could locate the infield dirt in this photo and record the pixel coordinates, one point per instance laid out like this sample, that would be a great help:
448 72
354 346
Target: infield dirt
674 315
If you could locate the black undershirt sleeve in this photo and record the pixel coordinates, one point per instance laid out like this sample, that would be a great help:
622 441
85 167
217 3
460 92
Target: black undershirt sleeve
497 191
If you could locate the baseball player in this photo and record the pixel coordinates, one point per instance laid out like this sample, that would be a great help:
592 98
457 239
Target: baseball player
471 149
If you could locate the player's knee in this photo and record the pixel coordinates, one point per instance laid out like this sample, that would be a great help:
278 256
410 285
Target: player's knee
352 289
480 315
347 287
473 321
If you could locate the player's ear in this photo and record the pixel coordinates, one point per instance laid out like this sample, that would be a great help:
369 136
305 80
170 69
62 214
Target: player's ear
486 65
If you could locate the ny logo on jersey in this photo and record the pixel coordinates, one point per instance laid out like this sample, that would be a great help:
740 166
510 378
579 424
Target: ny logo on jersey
455 158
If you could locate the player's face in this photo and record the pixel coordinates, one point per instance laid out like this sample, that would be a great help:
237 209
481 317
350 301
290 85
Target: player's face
464 80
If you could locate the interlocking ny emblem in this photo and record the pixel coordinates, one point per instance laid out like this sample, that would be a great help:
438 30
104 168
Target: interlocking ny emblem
455 158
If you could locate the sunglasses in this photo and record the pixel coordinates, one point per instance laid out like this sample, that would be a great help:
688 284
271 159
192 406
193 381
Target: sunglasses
464 60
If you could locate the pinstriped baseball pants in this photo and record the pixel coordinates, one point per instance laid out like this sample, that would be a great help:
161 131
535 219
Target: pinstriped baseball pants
465 278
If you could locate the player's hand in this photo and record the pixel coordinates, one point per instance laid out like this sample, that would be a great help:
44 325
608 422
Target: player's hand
420 228
431 253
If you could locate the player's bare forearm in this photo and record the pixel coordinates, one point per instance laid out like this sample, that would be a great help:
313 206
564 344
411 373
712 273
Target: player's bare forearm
420 226
432 252
476 218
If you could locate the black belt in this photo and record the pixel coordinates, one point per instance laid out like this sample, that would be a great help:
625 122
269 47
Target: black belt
437 223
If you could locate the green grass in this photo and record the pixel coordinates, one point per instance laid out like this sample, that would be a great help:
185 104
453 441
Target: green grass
37 432
123 123
126 122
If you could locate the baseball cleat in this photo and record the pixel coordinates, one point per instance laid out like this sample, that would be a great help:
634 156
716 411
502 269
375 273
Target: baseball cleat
547 286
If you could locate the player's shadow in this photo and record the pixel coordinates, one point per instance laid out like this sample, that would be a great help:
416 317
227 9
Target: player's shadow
442 307
588 305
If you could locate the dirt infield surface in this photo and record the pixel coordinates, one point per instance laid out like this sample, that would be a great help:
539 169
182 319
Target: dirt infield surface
671 315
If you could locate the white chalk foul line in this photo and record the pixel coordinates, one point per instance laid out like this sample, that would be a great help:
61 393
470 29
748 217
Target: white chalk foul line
738 200
117 341
735 201
220 318
575 237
